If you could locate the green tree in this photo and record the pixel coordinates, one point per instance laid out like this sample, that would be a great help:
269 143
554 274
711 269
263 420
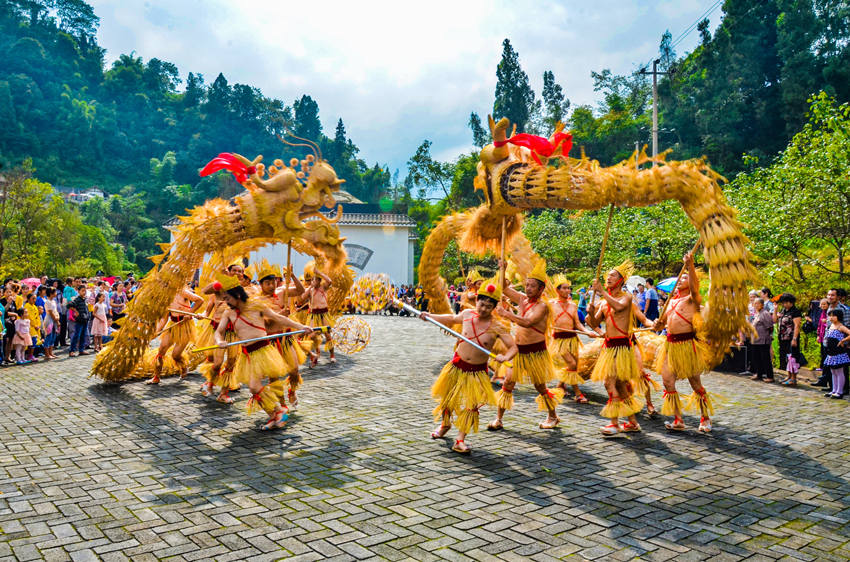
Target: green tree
480 136
514 96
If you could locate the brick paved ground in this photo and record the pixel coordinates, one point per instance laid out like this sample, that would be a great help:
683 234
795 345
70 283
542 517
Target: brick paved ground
114 472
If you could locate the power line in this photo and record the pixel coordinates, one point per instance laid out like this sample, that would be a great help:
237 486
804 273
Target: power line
688 30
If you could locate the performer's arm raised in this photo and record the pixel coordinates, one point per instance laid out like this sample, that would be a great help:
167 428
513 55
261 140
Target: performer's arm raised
325 278
515 296
195 299
618 305
693 280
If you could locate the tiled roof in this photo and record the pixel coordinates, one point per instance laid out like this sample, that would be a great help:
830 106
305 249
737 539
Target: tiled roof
377 219
363 219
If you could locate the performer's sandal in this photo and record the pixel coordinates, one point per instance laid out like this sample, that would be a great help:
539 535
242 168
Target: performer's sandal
461 447
611 430
276 422
206 390
440 433
225 398
581 399
495 425
630 427
675 425
154 380
704 425
653 413
549 424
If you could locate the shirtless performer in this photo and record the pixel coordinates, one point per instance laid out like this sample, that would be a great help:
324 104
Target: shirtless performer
179 331
211 369
463 386
616 366
317 295
289 348
258 359
565 330
683 356
533 362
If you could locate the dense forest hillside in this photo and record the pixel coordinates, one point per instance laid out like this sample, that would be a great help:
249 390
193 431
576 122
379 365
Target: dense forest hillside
140 129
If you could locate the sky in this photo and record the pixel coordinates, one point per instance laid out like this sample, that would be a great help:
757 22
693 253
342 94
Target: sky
397 72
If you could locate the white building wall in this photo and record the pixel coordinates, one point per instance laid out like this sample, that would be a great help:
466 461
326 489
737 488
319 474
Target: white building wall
392 251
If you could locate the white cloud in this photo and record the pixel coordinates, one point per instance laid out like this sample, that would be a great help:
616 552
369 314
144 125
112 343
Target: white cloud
395 72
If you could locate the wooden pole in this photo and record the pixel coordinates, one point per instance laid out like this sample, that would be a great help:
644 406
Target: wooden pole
602 251
678 278
502 254
288 276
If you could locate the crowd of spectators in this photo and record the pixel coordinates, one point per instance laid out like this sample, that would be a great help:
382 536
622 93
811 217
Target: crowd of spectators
40 316
779 318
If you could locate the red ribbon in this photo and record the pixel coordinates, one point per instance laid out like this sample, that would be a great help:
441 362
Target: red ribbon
229 162
540 145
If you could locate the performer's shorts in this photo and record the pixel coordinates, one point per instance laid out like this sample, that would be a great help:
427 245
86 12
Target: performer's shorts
533 364
616 361
685 355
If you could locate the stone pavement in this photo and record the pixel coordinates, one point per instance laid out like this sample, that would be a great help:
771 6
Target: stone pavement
90 471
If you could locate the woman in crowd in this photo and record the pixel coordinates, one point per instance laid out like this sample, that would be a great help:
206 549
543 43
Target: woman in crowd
763 325
118 301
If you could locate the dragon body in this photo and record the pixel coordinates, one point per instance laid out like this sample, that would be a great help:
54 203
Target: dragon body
515 179
280 204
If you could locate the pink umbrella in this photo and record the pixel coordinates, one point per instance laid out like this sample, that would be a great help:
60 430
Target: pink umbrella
32 281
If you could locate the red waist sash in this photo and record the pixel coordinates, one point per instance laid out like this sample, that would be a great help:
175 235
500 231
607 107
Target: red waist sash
318 311
251 347
468 367
564 335
532 347
687 336
618 342
175 318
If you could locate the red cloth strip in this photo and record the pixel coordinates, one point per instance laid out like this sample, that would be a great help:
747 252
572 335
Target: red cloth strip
618 342
251 347
532 347
688 336
564 335
468 367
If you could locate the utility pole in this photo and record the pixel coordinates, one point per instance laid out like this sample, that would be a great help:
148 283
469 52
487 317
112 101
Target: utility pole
655 72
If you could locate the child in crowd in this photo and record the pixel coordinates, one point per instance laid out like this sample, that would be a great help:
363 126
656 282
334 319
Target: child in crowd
22 339
836 351
99 322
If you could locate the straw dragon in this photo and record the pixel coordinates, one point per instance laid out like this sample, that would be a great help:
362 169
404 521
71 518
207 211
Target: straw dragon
514 178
